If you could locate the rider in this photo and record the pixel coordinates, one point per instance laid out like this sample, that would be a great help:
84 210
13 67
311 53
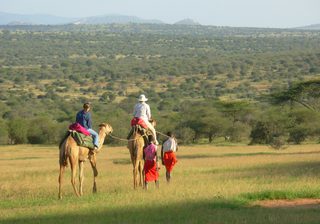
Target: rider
84 119
142 115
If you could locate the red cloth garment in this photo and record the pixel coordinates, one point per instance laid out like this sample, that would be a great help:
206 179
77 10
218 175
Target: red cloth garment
138 121
78 128
169 159
150 152
150 170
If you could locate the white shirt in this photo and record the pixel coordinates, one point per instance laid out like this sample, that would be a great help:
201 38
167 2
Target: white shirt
170 145
142 110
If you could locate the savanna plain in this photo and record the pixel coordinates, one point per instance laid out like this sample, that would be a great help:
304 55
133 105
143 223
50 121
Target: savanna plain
210 184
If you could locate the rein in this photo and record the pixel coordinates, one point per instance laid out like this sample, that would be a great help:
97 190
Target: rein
126 140
121 139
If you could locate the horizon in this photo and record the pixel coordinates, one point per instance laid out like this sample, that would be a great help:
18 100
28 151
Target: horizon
247 13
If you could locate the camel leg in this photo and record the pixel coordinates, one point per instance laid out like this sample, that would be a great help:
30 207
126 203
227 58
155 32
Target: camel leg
95 173
73 164
62 168
135 175
81 177
141 173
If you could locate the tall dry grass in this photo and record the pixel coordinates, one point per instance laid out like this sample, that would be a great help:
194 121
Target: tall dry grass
209 185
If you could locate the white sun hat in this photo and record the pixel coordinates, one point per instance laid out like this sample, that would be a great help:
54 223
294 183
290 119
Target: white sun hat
142 98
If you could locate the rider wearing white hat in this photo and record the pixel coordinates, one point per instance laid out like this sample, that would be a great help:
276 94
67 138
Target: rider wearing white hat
142 111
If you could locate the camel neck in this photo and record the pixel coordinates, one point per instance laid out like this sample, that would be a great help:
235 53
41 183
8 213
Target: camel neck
102 136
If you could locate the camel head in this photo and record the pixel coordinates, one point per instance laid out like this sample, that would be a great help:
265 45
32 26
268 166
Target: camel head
106 128
153 122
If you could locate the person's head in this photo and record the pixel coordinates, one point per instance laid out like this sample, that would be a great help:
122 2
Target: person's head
150 138
86 106
170 134
142 98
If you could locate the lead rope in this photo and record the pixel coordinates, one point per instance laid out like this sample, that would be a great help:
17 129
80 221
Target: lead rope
126 140
162 134
121 139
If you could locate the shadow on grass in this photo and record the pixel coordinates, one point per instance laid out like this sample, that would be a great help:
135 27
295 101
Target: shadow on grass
22 158
274 170
189 212
121 161
275 153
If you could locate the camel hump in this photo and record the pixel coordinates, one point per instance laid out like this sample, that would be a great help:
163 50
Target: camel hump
66 135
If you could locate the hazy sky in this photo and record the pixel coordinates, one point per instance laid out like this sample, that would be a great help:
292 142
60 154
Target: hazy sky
249 13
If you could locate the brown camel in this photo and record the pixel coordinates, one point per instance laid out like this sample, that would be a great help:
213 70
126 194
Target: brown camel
136 145
69 150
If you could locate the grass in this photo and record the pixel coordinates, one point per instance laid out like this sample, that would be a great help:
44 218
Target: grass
210 185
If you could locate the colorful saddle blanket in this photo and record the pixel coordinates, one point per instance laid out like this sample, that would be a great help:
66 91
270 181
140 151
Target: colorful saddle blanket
82 139
138 121
77 127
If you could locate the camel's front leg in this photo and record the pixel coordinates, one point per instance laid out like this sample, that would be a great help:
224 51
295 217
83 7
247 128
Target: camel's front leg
62 168
135 174
81 177
141 173
95 172
73 164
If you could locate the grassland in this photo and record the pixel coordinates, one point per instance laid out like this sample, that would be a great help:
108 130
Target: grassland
210 185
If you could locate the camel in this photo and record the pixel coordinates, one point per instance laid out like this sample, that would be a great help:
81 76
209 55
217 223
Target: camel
69 150
136 145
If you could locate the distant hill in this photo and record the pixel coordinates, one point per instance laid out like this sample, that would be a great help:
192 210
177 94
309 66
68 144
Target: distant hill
119 19
39 19
310 27
187 22
14 19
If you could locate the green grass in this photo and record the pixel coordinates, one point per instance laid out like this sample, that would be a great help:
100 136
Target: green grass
209 185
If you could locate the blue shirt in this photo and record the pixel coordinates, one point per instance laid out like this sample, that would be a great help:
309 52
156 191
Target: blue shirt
84 118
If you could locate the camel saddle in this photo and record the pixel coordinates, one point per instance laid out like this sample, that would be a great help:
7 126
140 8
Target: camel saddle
142 131
81 139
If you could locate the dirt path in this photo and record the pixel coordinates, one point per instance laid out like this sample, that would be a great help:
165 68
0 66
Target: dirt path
301 203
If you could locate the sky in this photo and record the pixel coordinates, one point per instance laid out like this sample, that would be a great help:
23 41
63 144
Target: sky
238 13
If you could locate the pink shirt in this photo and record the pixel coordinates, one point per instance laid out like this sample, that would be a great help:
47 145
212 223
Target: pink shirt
150 152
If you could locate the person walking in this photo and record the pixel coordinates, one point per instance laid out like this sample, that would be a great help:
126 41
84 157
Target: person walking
151 166
168 157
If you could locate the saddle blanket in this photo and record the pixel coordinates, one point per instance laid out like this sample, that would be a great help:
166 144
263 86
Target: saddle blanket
82 139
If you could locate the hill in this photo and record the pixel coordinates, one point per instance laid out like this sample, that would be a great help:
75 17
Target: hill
17 19
117 19
187 22
310 27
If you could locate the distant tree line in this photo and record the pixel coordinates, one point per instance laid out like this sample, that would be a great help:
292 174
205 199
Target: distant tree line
205 83
43 121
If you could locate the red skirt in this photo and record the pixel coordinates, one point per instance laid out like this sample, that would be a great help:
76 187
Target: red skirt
169 159
150 170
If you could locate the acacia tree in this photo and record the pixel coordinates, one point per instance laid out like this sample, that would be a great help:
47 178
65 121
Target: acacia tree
306 94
